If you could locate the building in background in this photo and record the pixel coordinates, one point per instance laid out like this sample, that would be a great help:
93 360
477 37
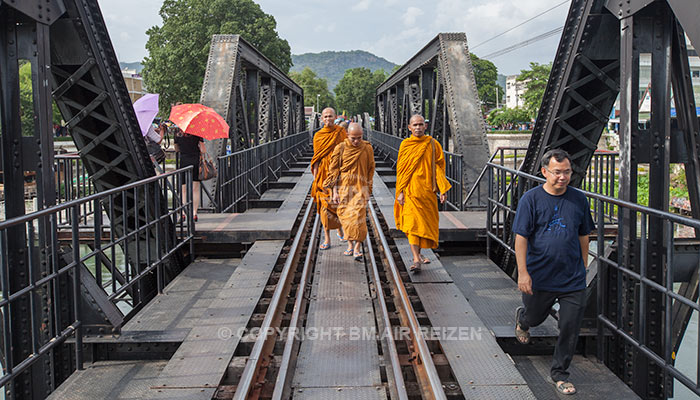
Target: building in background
514 92
134 84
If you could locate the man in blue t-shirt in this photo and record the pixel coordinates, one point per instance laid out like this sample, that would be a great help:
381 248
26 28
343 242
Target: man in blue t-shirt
551 229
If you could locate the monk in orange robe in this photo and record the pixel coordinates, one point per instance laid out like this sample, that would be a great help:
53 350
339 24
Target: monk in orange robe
420 175
350 176
325 141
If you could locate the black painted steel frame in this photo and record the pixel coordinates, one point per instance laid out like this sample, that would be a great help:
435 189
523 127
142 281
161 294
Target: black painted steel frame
438 83
258 101
72 59
246 174
106 273
600 48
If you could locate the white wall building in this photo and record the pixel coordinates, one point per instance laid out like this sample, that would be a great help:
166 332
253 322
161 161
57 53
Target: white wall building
514 92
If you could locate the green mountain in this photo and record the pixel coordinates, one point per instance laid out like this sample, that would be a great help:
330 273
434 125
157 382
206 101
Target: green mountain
332 64
133 65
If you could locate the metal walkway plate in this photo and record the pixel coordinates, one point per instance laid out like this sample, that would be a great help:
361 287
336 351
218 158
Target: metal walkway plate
432 272
493 295
592 380
478 363
339 351
183 301
455 226
113 380
202 359
340 393
249 227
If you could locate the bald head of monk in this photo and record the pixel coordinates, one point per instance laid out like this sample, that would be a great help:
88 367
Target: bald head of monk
355 134
417 125
328 117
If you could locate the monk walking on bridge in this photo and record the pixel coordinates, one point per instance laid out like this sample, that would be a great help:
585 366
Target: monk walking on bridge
325 141
350 177
420 175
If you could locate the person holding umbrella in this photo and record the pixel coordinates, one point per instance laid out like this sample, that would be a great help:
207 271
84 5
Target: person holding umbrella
196 122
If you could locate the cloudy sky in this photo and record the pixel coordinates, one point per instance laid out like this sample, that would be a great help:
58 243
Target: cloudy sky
393 29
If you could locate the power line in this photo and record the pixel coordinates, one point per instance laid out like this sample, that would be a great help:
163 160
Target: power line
523 43
521 24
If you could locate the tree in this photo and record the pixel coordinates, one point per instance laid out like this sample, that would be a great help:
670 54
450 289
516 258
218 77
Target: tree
356 90
179 49
503 117
26 102
536 81
315 89
486 76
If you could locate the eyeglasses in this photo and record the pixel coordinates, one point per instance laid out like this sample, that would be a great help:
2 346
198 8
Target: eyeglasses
566 172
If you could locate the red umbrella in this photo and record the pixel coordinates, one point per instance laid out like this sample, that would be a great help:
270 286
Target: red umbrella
199 120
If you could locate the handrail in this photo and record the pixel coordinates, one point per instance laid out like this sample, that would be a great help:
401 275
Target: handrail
242 174
37 272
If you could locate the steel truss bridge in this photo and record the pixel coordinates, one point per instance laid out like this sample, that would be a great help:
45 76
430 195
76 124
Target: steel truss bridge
110 290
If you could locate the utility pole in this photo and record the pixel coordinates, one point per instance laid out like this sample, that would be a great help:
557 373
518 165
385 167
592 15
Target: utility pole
496 96
318 96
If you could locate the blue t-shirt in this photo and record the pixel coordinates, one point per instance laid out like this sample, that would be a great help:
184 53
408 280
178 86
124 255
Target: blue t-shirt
552 226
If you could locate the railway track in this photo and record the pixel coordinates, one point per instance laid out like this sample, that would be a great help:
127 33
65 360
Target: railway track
410 364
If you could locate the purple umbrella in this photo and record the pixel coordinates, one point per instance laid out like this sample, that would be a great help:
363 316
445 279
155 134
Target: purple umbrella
146 109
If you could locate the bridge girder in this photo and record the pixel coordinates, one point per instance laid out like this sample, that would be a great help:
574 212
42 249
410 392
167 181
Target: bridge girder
438 83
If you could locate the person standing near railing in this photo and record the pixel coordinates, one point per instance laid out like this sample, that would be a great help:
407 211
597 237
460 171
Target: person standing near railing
552 224
325 141
190 147
420 174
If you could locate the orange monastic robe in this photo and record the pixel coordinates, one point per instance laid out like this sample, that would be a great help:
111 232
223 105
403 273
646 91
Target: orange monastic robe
419 217
325 141
352 171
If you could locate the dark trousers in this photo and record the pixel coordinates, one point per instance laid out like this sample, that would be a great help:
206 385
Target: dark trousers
571 308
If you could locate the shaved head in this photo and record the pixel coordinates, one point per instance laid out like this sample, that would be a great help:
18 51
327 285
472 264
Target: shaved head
355 134
417 125
328 117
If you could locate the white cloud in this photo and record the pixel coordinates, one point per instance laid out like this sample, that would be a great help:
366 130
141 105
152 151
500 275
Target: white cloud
391 2
411 15
361 6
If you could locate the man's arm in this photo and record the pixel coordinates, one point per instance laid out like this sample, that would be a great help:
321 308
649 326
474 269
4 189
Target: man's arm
584 240
524 280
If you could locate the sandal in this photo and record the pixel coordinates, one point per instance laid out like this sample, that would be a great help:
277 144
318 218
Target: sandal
347 252
342 238
358 256
565 387
324 246
522 335
415 267
424 260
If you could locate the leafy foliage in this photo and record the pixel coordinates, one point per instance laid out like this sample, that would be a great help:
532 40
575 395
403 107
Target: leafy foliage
178 50
26 103
536 78
315 89
486 76
332 64
356 90
501 117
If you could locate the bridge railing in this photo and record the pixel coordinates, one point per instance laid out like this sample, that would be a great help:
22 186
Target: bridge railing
612 273
244 174
72 182
389 145
45 266
601 176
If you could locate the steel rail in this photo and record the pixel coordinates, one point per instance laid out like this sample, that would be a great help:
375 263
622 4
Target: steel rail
399 383
265 340
434 388
288 361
